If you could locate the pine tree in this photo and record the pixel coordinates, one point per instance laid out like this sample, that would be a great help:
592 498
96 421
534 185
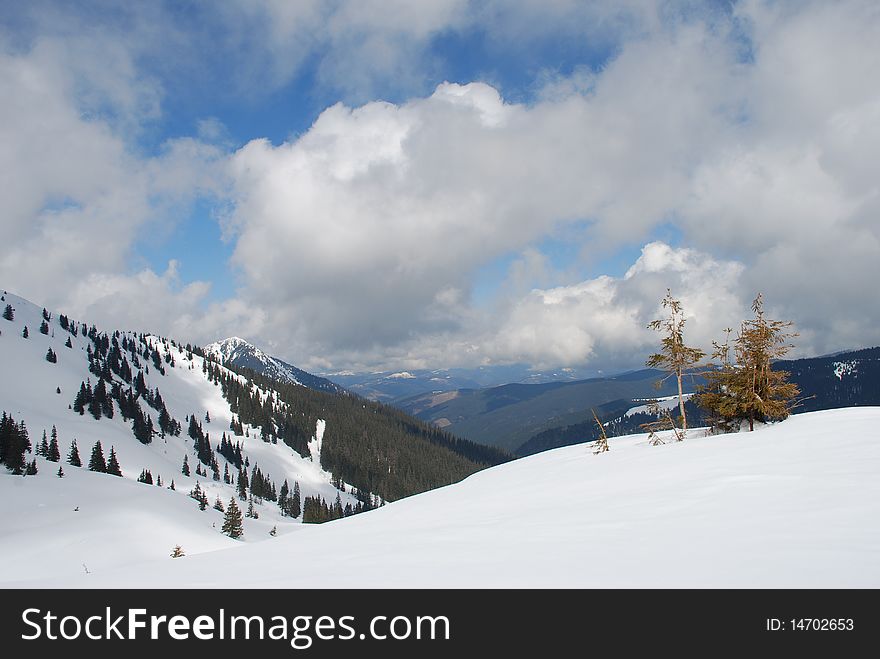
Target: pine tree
31 468
113 464
53 455
233 525
67 343
185 468
97 462
44 327
242 484
9 313
25 333
218 505
51 357
73 456
14 444
282 498
674 357
295 502
747 388
60 472
43 446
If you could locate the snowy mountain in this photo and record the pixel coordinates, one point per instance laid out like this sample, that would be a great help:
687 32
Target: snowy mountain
239 352
773 508
162 409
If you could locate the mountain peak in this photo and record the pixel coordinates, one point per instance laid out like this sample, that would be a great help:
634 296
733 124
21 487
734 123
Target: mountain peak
240 352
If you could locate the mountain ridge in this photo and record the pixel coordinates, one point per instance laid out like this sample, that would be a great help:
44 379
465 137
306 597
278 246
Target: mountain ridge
243 353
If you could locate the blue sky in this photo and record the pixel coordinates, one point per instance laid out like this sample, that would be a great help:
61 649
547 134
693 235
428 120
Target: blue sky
382 184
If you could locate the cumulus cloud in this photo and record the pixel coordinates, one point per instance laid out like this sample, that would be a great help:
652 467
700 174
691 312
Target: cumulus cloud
361 223
76 193
751 130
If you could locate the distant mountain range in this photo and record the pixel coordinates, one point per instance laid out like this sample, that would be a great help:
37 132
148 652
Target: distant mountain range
527 419
393 386
509 415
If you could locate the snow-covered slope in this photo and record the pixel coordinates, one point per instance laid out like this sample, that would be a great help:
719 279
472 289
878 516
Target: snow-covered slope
239 352
121 521
796 504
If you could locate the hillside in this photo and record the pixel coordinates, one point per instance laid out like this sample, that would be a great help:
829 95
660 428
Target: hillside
154 404
770 509
509 415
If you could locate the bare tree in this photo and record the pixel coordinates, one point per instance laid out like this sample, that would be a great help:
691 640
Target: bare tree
674 357
601 444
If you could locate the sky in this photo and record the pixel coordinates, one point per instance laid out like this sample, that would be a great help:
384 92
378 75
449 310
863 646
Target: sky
384 185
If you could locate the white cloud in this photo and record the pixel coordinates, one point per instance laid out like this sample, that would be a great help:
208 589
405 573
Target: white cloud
753 134
75 192
603 321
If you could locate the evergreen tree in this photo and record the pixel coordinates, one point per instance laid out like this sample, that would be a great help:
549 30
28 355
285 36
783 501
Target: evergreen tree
60 472
25 333
674 357
185 468
67 343
44 327
97 462
283 498
14 444
73 456
83 398
31 469
9 312
242 485
54 454
233 525
113 464
43 446
295 502
51 357
748 388
218 505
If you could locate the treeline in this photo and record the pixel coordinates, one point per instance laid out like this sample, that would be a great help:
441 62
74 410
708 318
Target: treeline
846 380
374 447
127 359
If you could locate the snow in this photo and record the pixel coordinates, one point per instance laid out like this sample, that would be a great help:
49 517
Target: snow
317 440
794 504
121 521
666 403
228 349
401 375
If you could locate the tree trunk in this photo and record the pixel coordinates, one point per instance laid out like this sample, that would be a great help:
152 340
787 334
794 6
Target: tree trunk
684 423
